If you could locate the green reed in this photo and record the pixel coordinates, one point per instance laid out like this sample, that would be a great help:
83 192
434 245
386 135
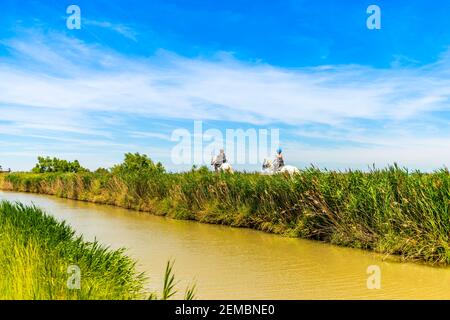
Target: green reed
36 252
390 210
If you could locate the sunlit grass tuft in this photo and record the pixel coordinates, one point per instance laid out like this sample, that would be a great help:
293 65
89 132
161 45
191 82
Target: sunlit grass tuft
36 251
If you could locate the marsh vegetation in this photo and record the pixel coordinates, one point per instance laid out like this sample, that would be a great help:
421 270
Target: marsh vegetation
390 210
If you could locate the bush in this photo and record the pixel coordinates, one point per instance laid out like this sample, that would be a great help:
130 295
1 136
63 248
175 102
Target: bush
136 162
48 164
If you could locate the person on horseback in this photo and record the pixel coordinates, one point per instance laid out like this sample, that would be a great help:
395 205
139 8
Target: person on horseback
220 159
279 161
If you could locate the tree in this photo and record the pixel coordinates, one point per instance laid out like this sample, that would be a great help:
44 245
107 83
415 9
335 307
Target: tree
136 162
102 171
48 164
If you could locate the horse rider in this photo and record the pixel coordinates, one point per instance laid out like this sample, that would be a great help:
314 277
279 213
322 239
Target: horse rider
279 160
220 159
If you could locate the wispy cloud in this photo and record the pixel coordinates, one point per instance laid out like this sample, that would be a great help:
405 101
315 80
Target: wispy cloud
64 80
121 29
168 85
157 135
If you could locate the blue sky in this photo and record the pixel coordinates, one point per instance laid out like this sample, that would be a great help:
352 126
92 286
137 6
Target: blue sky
342 96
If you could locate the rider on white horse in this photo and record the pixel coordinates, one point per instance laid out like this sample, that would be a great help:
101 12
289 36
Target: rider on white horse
278 164
220 159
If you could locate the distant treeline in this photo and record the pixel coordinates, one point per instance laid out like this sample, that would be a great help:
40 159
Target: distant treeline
389 210
47 164
132 162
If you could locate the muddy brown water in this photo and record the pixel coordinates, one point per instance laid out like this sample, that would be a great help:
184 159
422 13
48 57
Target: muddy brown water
233 263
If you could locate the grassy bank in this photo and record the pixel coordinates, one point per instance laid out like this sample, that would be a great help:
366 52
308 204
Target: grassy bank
36 252
390 210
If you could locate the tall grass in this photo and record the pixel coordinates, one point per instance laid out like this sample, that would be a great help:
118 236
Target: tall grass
36 251
169 286
389 210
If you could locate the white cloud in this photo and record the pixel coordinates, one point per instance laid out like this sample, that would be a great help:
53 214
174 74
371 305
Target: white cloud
172 86
122 29
158 135
61 80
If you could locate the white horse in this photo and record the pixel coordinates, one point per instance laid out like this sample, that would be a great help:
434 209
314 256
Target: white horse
224 167
268 168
